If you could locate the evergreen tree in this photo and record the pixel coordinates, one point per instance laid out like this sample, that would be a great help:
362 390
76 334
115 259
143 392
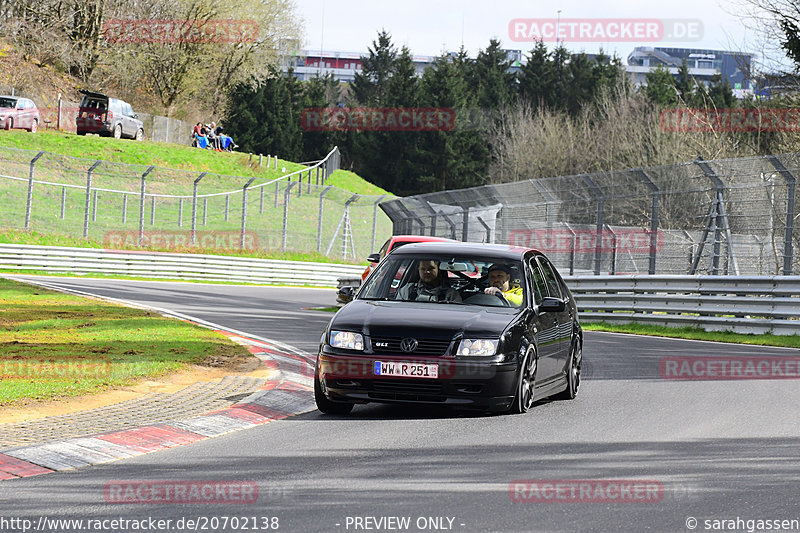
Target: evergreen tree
661 87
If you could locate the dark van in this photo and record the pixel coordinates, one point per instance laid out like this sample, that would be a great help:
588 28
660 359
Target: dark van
107 116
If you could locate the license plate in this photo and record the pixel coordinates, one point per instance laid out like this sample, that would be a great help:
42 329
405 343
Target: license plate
406 370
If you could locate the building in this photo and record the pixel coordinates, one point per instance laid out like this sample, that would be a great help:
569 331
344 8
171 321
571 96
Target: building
703 65
308 64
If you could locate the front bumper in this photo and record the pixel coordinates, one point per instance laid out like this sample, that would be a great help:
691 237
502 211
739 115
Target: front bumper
461 383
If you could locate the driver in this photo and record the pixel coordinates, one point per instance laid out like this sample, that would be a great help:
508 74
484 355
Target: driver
431 287
499 284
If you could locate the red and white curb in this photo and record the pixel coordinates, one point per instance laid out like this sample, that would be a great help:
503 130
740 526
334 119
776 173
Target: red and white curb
287 395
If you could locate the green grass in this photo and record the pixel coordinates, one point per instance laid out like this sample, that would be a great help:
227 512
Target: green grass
58 345
228 172
766 339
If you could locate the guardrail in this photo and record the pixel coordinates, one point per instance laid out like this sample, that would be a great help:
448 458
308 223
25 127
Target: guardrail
743 304
66 260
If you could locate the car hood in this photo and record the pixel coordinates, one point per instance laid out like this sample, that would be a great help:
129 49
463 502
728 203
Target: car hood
431 320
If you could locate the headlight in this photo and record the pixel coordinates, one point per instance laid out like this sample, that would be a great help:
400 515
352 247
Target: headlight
347 340
477 347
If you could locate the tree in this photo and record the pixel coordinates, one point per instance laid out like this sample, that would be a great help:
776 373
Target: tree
661 87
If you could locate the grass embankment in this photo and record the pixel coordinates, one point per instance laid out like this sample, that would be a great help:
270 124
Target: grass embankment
764 339
57 345
172 222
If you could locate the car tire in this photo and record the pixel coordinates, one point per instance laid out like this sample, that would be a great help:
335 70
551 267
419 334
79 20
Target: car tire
573 372
325 405
34 126
526 384
10 124
118 131
139 134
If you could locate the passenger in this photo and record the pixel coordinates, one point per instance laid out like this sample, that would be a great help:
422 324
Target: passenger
431 287
499 283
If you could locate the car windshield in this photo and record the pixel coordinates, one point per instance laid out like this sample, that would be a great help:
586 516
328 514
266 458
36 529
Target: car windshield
8 102
459 280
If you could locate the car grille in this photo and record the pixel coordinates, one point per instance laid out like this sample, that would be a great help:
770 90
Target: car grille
406 386
391 345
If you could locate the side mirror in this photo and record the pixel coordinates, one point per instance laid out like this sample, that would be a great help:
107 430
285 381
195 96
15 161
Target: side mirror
374 258
555 305
345 294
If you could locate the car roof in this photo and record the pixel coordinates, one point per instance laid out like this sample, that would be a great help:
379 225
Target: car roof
465 248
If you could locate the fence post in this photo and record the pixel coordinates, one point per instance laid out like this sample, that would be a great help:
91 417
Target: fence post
720 220
488 230
194 207
94 205
244 209
153 210
88 198
141 203
205 211
613 250
571 250
286 213
180 212
29 204
465 223
64 202
317 179
319 218
261 200
124 208
375 221
276 195
655 193
227 206
308 189
599 220
788 252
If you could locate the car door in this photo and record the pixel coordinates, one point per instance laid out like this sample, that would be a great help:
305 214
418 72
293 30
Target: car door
21 120
546 326
564 322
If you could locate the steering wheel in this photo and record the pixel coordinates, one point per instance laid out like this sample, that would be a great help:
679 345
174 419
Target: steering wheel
503 299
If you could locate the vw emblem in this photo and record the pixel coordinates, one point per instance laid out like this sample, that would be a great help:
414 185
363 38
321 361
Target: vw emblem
408 344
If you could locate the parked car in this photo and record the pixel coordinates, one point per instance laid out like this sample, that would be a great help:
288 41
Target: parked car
468 349
107 116
16 112
345 294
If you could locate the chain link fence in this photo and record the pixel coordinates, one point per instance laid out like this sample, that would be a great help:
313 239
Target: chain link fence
728 216
137 206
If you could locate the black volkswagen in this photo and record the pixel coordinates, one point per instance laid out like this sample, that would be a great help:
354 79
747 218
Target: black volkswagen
477 326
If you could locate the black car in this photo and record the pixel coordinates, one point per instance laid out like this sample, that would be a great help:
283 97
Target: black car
423 329
107 116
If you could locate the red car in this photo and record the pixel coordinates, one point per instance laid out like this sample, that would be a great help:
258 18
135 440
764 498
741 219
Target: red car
16 112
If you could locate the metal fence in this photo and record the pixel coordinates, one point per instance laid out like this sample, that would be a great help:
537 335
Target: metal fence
743 304
130 206
729 216
60 114
77 261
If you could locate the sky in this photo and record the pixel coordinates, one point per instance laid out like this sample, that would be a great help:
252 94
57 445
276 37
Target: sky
432 26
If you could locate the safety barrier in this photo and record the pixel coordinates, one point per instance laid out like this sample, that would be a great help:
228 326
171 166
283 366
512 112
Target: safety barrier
65 260
743 304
